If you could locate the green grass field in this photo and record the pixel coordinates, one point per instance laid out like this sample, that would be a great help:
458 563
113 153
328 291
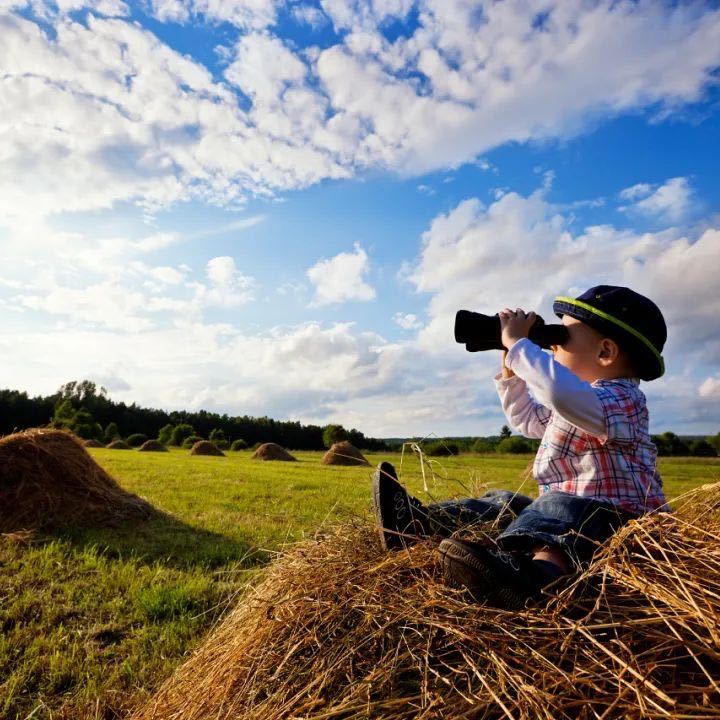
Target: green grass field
93 620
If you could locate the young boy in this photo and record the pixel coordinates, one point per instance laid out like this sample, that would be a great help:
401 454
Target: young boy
596 463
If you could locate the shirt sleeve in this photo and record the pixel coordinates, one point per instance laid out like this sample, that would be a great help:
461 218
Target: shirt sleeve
523 414
558 388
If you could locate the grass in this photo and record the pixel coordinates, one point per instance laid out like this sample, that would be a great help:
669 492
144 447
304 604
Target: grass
92 620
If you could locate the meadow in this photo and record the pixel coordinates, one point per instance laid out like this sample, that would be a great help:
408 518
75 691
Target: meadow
94 619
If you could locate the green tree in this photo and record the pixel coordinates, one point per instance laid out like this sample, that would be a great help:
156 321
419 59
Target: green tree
333 434
64 414
505 432
239 444
702 448
136 439
165 434
84 426
481 445
217 437
112 432
515 445
180 432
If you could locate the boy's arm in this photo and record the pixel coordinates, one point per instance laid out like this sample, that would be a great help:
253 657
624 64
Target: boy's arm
558 388
523 414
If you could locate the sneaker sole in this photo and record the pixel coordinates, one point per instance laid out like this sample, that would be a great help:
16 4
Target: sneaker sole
462 569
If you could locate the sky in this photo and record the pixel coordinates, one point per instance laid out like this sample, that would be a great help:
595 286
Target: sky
272 207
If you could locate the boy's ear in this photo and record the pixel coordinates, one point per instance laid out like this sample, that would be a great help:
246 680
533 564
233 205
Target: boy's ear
608 352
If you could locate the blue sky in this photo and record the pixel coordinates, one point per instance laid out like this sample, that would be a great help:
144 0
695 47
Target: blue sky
267 207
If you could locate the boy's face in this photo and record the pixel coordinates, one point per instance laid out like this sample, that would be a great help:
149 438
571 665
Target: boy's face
581 352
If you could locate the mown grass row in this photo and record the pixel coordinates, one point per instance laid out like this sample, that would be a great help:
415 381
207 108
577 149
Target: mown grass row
93 619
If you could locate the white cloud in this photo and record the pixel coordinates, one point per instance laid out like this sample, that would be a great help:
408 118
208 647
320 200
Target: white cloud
309 15
228 286
669 202
341 278
247 14
407 321
710 388
636 192
126 118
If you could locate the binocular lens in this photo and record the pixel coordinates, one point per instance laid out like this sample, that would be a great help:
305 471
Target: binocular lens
482 332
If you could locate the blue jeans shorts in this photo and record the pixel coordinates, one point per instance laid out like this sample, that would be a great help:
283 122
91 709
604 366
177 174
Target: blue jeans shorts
577 525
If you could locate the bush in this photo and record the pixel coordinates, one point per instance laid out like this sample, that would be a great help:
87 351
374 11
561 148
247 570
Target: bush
333 434
483 446
165 434
702 448
514 445
180 433
112 432
439 448
136 439
239 445
188 442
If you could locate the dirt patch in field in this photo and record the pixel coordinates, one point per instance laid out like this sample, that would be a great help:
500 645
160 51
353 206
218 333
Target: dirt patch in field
48 479
344 453
272 451
338 628
205 447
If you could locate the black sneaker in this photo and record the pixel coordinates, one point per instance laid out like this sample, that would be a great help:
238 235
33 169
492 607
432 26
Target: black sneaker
502 579
401 518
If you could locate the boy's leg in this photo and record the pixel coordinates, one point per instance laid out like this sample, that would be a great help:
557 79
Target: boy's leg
497 506
556 532
402 518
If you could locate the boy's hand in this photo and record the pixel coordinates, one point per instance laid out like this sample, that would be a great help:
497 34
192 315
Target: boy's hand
515 325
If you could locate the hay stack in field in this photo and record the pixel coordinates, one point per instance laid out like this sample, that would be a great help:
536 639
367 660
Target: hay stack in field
272 451
152 446
343 453
205 447
48 479
338 628
118 445
92 444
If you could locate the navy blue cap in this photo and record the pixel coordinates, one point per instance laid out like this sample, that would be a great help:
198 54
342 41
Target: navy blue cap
631 319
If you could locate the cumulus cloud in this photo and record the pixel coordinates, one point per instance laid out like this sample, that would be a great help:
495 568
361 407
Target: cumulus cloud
125 117
246 14
710 388
669 202
520 251
407 321
341 278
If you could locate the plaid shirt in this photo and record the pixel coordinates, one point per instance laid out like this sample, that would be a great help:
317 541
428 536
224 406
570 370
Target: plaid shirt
618 466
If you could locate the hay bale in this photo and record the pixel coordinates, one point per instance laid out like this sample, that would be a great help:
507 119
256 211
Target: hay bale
152 446
338 628
48 479
344 453
92 444
272 451
118 445
205 447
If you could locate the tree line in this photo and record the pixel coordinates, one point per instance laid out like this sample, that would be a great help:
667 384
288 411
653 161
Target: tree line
86 409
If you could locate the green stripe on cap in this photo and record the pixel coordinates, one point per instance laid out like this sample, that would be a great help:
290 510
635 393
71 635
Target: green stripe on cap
616 321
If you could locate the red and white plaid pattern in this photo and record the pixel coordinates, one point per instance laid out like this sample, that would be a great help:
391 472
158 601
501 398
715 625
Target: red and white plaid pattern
619 468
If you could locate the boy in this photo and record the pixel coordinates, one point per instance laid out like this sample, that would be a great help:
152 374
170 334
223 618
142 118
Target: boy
596 463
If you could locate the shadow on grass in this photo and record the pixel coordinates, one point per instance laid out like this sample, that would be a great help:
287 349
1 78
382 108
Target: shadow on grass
162 538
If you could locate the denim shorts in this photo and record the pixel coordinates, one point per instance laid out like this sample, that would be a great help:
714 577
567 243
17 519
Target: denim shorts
577 525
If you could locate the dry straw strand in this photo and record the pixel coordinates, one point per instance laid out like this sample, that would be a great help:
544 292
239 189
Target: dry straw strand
337 628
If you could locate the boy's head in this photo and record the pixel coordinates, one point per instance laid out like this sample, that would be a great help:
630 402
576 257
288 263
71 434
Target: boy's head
613 332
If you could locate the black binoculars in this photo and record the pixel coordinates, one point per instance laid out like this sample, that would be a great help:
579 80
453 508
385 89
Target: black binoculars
482 332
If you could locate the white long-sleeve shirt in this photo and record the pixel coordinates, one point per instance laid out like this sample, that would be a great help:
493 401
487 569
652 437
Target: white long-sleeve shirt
594 436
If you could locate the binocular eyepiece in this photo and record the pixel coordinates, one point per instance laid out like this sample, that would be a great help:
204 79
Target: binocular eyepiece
482 332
